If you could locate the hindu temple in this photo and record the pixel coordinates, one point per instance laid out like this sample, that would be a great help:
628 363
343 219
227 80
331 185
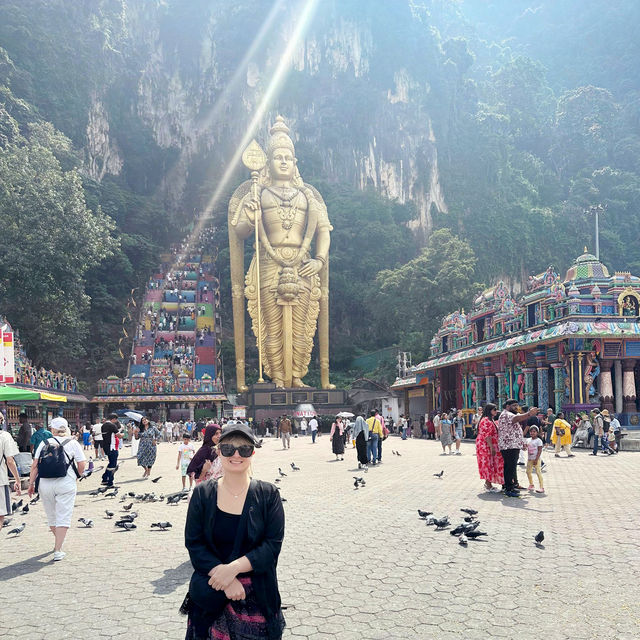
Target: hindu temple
174 368
569 343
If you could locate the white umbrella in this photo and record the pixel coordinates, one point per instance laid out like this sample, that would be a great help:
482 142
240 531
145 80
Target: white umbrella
345 414
136 417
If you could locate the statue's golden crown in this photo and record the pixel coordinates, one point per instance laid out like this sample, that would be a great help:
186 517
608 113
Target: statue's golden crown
279 137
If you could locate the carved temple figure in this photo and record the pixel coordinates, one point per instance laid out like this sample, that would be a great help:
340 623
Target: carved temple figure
292 298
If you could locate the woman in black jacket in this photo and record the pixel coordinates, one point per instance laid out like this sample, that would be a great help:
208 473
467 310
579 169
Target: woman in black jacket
234 532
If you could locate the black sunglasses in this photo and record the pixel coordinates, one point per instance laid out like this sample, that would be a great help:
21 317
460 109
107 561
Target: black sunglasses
245 450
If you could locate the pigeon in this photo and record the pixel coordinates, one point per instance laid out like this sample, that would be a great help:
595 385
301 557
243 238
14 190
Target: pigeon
109 514
471 512
463 540
475 534
128 526
277 480
424 514
294 467
113 494
103 489
439 475
127 507
469 518
35 499
18 530
459 530
471 526
87 523
94 493
398 454
7 522
163 526
283 499
429 520
126 518
132 494
282 473
356 484
392 451
16 505
156 479
173 499
25 509
441 523
539 538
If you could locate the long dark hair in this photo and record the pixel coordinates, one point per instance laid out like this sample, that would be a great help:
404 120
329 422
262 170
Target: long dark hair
488 408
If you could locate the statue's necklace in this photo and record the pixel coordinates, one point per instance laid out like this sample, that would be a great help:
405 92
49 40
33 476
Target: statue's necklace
286 206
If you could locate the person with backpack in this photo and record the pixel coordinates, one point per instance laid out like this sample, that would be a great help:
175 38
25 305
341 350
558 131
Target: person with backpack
58 463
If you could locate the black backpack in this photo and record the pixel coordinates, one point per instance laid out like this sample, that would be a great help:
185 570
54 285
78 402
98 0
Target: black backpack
54 461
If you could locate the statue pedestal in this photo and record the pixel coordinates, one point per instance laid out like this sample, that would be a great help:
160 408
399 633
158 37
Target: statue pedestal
264 400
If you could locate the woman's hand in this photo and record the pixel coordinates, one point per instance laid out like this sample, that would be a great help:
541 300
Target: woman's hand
235 591
221 576
30 490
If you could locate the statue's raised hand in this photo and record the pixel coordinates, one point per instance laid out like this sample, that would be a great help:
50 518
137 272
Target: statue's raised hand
252 208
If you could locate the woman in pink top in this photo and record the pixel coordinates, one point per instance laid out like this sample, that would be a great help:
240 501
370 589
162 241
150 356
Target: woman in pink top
337 439
490 463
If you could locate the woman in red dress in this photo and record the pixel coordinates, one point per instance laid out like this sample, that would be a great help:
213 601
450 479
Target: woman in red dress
490 463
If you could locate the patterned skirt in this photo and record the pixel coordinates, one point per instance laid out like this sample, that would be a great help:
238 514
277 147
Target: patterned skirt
146 452
240 620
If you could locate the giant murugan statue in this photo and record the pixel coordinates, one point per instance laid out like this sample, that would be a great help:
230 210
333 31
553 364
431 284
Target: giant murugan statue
287 283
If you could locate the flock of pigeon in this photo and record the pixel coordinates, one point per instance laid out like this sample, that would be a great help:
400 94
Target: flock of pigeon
467 529
282 474
125 521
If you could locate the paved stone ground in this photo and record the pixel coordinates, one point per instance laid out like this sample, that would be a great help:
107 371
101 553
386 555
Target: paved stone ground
358 564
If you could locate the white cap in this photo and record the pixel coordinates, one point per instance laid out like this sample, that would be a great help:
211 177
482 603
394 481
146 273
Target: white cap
59 424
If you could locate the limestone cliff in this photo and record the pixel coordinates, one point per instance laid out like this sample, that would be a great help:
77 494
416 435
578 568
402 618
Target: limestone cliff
191 81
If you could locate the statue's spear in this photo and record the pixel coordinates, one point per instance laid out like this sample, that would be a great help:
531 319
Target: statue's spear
254 159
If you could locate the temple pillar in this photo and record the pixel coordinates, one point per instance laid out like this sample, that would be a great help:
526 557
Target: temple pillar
101 406
529 392
542 374
543 387
617 367
489 382
629 385
502 389
558 385
479 390
43 412
578 386
192 410
605 385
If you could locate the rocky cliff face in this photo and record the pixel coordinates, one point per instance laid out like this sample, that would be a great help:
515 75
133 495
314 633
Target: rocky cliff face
194 83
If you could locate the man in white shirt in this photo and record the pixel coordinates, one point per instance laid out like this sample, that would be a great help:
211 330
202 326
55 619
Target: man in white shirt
437 423
168 431
303 427
8 449
96 429
313 425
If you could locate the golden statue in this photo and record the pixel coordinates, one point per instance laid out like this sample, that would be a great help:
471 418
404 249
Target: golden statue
287 290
